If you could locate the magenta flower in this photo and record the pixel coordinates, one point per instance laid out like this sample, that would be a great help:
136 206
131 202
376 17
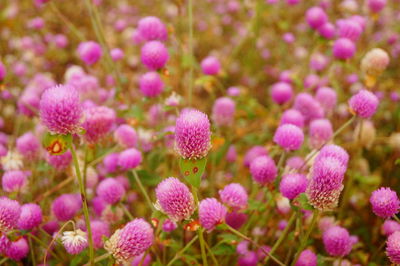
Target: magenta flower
211 213
235 219
18 249
389 227
126 136
292 185
154 55
60 109
364 104
292 116
210 65
99 120
174 199
307 258
344 48
110 190
66 206
223 111
337 241
328 31
31 216
28 145
308 107
281 92
316 17
334 151
320 132
192 134
132 240
90 52
100 230
169 225
152 28
10 210
151 84
385 202
129 159
393 247
60 161
376 5
327 98
234 195
289 137
15 180
263 170
3 71
253 153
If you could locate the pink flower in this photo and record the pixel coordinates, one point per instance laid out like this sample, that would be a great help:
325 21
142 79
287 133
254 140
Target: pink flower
211 213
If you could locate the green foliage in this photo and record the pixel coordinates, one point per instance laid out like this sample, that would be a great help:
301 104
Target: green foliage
192 170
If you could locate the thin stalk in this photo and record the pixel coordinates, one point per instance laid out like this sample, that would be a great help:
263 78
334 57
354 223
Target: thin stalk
304 240
282 236
3 260
396 218
239 234
200 231
101 157
143 190
84 203
55 189
126 211
215 261
190 17
180 252
31 248
99 258
68 23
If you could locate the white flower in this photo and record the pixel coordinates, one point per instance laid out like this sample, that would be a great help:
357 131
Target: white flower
74 241
12 161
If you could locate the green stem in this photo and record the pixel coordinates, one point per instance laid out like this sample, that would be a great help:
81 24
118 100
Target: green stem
68 23
179 253
43 245
31 248
190 16
126 211
396 218
84 203
215 261
101 157
304 240
100 258
282 236
202 247
3 260
143 190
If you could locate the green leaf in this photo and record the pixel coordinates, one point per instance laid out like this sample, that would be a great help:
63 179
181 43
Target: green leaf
56 144
223 249
397 162
303 202
192 170
320 260
255 205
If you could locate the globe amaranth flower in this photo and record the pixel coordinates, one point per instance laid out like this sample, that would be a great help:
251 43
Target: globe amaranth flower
99 121
211 213
292 116
327 98
316 17
337 241
60 109
223 111
152 28
90 52
31 216
307 258
154 55
2 71
389 227
75 241
14 180
10 210
110 190
253 153
385 202
289 137
320 132
234 195
263 170
174 199
126 136
151 84
292 185
375 62
192 134
308 107
364 103
66 206
344 48
235 219
349 28
248 259
28 145
17 250
393 247
129 159
376 5
334 151
100 229
60 161
210 65
132 240
281 92
169 225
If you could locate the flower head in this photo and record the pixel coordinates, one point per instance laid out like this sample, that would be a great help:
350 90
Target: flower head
14 180
10 210
98 122
289 137
60 161
211 213
110 190
66 206
281 92
364 104
129 159
210 65
327 98
100 229
17 250
28 145
234 195
316 17
307 258
126 136
74 242
152 28
90 52
320 132
308 107
292 185
263 170
151 84
344 48
154 55
385 202
292 116
337 241
253 153
393 247
389 227
223 111
31 216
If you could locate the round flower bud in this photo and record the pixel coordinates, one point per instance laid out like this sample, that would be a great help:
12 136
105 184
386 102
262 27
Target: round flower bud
263 170
13 181
334 151
337 241
74 242
18 249
376 5
320 132
292 185
10 210
364 103
389 227
151 84
289 137
116 54
375 62
28 145
126 136
60 161
350 29
292 116
99 121
253 153
169 225
308 107
385 202
192 134
154 55
211 213
316 17
393 247
210 65
343 48
2 71
66 206
110 190
60 109
307 258
234 195
31 216
100 230
235 219
174 199
248 259
327 98
328 31
90 52
223 111
281 92
129 159
152 28
132 240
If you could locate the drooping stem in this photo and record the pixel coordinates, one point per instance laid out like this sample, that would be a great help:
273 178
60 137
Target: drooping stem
143 190
190 23
179 253
84 203
303 241
282 236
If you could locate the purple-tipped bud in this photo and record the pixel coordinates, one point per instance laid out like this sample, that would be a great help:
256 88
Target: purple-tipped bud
10 210
151 84
289 137
281 92
60 109
327 97
13 181
263 170
344 48
393 247
210 65
126 136
31 216
110 162
116 54
66 206
90 52
152 28
364 103
129 159
292 185
18 249
192 134
211 213
74 242
174 199
132 240
223 111
320 132
248 259
385 202
292 116
316 17
110 190
154 55
337 241
307 258
99 121
234 195
389 227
